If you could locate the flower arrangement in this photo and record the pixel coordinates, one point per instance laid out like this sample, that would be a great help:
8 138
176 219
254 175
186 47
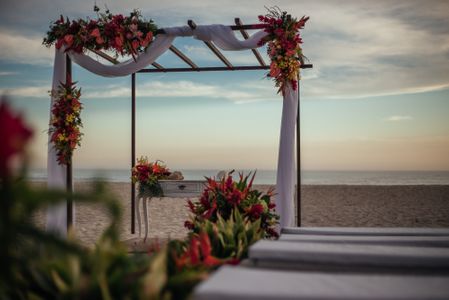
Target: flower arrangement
124 35
284 47
66 122
148 174
221 198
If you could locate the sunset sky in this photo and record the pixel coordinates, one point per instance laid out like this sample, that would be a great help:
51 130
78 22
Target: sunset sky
376 99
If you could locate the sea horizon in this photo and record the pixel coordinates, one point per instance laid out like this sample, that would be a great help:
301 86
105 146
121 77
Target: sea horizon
308 177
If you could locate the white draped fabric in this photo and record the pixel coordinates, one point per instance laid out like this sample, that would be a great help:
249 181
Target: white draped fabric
224 38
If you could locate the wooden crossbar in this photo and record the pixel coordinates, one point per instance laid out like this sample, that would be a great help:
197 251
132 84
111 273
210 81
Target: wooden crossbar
213 48
183 57
246 36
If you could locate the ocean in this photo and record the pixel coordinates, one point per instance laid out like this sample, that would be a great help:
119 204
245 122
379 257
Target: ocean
269 176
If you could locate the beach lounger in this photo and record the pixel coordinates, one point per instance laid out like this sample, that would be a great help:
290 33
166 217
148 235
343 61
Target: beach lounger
416 241
349 257
372 231
246 283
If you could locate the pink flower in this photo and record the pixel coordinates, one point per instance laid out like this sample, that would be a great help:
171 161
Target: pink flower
274 70
290 52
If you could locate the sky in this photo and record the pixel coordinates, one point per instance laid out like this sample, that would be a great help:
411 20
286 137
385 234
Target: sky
377 97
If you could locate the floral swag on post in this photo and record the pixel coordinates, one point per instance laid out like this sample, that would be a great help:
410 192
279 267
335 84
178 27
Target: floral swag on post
148 174
284 47
122 35
66 122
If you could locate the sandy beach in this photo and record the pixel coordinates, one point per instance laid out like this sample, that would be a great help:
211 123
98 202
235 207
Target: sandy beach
322 205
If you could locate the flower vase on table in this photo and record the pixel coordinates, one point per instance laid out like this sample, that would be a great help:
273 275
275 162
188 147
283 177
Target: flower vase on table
147 174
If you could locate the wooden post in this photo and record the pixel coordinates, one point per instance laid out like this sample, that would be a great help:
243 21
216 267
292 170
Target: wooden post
69 177
133 150
298 161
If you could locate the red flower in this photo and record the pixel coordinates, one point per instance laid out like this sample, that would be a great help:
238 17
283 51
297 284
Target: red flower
59 43
198 253
191 206
14 135
119 42
135 44
189 225
255 211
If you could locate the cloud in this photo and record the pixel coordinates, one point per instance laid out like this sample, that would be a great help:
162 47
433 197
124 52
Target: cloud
5 73
242 93
246 92
29 91
359 48
399 118
19 48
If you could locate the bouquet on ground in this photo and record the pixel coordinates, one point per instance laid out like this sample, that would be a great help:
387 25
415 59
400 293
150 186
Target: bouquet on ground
220 199
148 174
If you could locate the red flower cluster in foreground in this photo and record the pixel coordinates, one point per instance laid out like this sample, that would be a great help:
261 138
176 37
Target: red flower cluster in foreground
198 253
125 35
284 47
66 122
222 197
14 135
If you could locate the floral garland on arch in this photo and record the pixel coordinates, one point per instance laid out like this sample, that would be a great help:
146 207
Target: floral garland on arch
284 47
66 122
148 174
124 35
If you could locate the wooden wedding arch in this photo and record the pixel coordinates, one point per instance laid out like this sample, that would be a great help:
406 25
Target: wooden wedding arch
192 67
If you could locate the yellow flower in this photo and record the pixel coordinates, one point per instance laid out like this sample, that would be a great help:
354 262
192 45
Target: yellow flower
70 118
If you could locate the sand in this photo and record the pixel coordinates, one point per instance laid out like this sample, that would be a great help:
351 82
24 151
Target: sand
322 205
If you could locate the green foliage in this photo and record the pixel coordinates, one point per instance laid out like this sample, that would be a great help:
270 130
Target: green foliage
231 238
41 265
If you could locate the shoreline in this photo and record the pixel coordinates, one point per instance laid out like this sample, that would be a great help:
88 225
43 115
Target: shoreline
38 181
321 206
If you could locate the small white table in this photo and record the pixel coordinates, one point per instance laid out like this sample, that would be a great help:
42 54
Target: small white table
170 188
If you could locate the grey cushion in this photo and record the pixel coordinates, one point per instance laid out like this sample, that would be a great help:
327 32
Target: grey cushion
318 255
418 241
244 283
392 231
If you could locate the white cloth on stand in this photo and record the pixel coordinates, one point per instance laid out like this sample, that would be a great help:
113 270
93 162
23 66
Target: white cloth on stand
225 39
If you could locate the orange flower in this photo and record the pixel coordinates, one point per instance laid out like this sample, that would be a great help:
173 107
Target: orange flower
68 39
95 33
